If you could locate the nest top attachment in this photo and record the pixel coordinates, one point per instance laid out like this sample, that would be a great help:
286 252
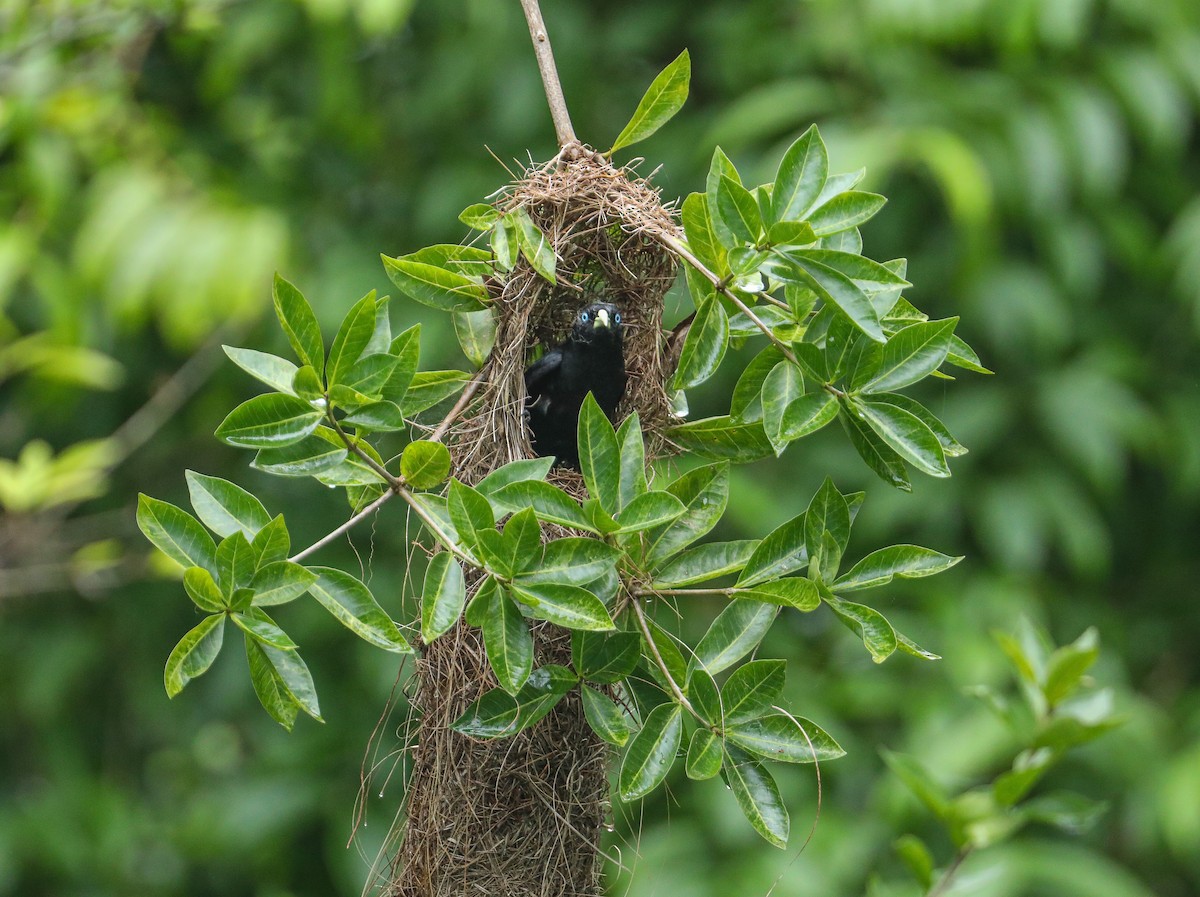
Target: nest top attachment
603 224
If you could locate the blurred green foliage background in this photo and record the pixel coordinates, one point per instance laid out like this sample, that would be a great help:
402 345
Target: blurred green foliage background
160 158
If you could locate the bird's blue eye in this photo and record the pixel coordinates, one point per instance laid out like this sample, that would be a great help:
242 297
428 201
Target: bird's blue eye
584 317
617 317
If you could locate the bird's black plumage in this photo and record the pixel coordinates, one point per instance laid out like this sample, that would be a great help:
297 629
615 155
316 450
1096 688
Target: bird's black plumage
592 359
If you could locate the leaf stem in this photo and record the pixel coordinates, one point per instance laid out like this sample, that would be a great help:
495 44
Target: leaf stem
345 527
662 664
553 87
948 876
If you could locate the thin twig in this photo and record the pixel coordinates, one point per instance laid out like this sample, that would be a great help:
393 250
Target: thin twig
647 593
545 61
345 527
662 664
948 876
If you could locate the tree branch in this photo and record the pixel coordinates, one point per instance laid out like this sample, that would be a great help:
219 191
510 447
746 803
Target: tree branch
545 61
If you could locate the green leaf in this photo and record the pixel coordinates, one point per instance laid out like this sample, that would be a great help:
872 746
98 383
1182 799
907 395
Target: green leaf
605 717
841 292
381 336
203 590
752 689
790 233
704 492
701 236
442 597
807 414
844 211
498 714
371 373
783 551
916 856
194 654
757 796
299 324
746 404
569 606
794 591
705 697
664 97
785 738
436 287
505 244
427 388
509 644
278 373
425 464
829 514
534 245
919 781
869 624
905 561
599 455
722 437
377 417
469 512
781 388
648 510
572 560
269 421
651 752
704 755
669 650
272 543
476 332
311 456
176 533
738 210
735 632
352 605
906 434
262 628
874 451
705 344
235 562
479 216
633 459
862 270
224 507
549 502
351 339
280 582
951 446
912 354
307 384
963 356
1066 811
283 678
802 173
605 657
704 562
1068 664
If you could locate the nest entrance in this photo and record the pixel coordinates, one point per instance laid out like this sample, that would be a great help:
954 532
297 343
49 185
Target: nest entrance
523 816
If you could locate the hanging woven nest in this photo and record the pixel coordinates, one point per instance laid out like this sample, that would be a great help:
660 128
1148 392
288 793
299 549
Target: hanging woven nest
524 815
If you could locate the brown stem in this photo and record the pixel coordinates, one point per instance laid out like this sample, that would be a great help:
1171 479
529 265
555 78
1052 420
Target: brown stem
545 61
660 663
948 876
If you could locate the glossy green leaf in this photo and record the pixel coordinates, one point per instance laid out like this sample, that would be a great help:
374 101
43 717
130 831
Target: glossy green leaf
648 510
442 597
665 650
906 435
479 216
790 233
469 512
705 345
757 796
663 98
842 293
651 752
1068 664
351 604
869 624
269 687
377 417
735 632
509 644
534 245
568 606
351 339
738 210
793 591
704 755
963 356
505 244
752 689
176 533
746 404
704 562
476 332
494 715
633 459
514 472
828 513
310 456
572 560
844 211
605 717
912 354
874 451
307 384
430 387
905 561
203 590
272 543
783 551
802 173
269 421
299 324
722 437
277 373
498 714
951 446
434 286
225 507
781 388
194 653
549 502
807 414
280 582
701 235
778 736
864 271
599 455
605 657
371 373
262 628
284 678
704 492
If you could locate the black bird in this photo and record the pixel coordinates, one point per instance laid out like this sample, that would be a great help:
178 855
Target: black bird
590 360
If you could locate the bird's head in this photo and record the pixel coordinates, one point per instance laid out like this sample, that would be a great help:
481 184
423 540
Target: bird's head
600 320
